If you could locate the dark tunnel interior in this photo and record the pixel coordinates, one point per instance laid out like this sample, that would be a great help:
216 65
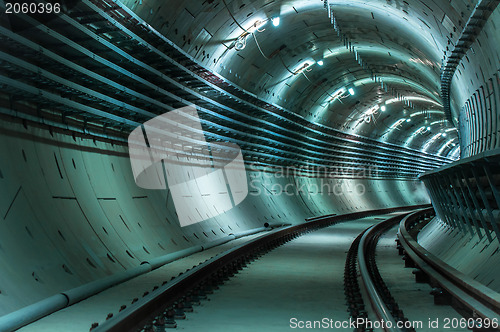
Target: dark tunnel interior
139 135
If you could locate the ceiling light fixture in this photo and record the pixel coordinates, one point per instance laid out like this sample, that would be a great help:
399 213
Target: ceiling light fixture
256 27
383 108
397 123
320 62
302 68
407 99
420 130
435 136
276 21
337 94
351 91
241 42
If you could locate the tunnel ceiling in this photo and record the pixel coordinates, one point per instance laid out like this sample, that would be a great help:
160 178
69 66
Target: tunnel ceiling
104 68
383 49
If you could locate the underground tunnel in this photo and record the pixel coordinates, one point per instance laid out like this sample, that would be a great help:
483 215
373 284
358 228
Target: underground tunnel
237 165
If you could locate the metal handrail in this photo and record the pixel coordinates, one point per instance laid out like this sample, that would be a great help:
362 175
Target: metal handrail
493 154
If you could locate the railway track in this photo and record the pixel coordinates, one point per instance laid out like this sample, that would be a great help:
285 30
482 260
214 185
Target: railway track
161 308
478 304
361 256
368 297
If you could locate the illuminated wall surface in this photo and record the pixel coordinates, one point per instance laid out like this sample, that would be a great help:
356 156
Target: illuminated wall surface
334 108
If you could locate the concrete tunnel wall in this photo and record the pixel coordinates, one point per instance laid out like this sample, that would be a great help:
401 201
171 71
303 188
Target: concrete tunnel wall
72 213
475 100
476 91
471 255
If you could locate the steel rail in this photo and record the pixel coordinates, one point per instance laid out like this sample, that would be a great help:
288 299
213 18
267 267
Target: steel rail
381 302
378 305
475 296
155 306
65 298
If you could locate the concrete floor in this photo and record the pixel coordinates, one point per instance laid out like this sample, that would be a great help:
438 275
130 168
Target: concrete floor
302 279
414 299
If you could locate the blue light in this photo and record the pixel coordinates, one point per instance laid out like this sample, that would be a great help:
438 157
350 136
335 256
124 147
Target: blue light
276 21
351 91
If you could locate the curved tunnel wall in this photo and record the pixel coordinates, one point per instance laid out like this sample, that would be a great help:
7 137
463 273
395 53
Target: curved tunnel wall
471 255
466 214
72 213
476 91
404 40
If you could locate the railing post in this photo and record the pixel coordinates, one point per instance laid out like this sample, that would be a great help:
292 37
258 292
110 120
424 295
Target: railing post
463 199
486 203
454 199
442 202
446 198
476 205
